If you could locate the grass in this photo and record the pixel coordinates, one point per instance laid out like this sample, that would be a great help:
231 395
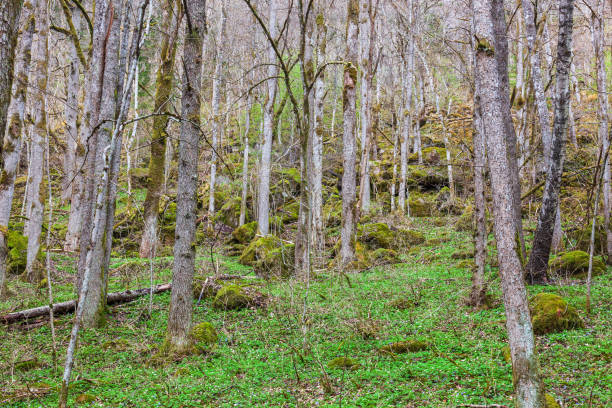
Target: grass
278 356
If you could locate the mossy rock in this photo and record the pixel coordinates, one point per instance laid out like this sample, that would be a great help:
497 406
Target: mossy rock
375 235
332 211
231 297
550 313
580 238
17 244
419 207
139 177
204 336
462 254
431 155
550 401
407 346
344 363
431 179
290 212
27 365
505 354
575 264
466 264
245 233
269 255
229 213
383 256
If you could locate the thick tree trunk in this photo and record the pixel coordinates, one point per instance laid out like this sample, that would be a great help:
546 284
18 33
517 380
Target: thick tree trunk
217 119
490 93
479 287
36 196
540 252
179 319
163 90
349 140
501 45
263 198
9 155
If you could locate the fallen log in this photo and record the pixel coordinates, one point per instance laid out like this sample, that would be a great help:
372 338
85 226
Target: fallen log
70 306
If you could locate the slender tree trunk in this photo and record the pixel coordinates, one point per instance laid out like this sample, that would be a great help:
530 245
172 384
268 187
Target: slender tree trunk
10 11
71 114
163 90
9 154
490 92
365 63
407 81
349 141
449 164
396 132
245 161
318 129
263 199
217 119
35 198
598 36
179 319
540 252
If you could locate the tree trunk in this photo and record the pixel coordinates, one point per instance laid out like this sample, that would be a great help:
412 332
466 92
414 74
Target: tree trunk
540 252
501 45
598 36
263 199
318 129
163 90
245 161
407 81
349 141
10 11
36 196
365 63
179 318
217 120
479 287
9 155
490 92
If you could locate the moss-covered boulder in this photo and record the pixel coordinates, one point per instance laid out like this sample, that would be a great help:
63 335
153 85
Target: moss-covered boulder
550 313
332 211
406 238
139 177
375 235
580 237
17 245
431 155
231 297
269 256
465 221
229 213
420 207
204 336
575 264
344 363
245 233
289 212
550 401
406 346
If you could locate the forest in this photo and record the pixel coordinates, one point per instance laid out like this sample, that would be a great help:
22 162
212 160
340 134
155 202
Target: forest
305 203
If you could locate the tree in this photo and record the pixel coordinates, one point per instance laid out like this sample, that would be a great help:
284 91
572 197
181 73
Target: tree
263 198
172 10
36 196
349 143
540 252
179 319
9 18
490 93
12 141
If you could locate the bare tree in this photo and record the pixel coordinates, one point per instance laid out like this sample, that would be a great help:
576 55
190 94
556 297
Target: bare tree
172 11
540 252
490 94
349 142
179 319
9 18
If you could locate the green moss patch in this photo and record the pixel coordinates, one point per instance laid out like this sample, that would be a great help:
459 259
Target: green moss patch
344 363
401 347
550 313
231 297
575 264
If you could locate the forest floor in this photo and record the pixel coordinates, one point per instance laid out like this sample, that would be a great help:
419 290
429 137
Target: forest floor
268 357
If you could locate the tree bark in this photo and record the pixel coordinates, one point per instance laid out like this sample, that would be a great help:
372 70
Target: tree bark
9 154
540 252
366 14
349 142
179 318
490 93
263 199
407 81
217 120
36 196
10 11
163 90
245 161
